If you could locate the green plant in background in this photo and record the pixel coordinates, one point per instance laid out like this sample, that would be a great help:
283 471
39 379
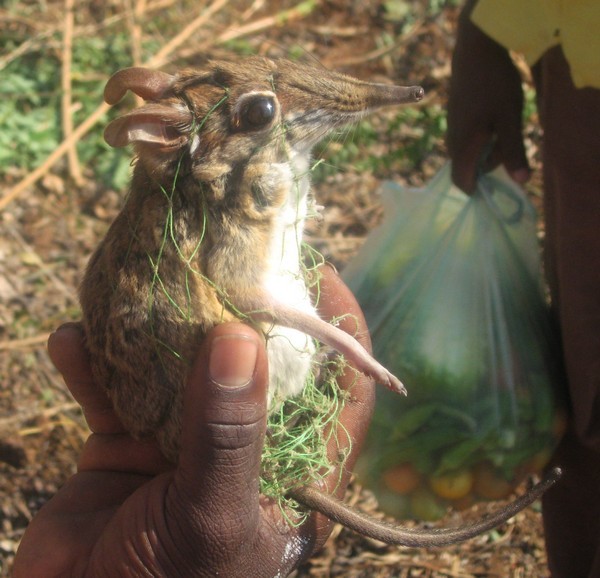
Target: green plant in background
30 107
407 12
28 116
385 150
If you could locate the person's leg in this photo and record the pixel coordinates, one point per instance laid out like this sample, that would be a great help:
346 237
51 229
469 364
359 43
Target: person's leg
571 122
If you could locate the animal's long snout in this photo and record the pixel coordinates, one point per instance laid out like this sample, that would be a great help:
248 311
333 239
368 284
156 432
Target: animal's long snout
384 94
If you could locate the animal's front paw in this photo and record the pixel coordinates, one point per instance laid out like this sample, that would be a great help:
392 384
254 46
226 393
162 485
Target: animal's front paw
390 381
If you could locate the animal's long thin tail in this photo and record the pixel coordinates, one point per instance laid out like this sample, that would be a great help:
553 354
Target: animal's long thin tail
391 533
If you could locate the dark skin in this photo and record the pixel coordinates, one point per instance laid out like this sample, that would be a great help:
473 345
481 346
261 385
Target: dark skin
485 105
129 512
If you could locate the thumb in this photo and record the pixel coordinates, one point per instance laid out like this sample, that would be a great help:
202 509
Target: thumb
510 147
224 422
512 154
466 155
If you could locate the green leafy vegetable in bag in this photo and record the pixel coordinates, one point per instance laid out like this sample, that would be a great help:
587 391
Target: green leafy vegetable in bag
453 295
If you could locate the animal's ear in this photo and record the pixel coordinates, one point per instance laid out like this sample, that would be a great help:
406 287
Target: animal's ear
154 124
147 83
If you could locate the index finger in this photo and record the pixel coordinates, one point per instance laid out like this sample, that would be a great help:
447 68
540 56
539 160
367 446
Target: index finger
466 152
68 354
338 302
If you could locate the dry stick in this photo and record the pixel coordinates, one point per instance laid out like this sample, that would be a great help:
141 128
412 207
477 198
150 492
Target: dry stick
384 50
252 9
39 41
25 47
59 151
24 343
159 5
157 60
140 10
39 262
8 424
133 16
161 56
284 17
66 100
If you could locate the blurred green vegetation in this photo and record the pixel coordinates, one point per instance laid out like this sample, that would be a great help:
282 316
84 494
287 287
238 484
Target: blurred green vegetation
383 149
30 106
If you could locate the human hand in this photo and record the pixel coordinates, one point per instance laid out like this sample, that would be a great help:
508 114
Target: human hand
485 104
128 512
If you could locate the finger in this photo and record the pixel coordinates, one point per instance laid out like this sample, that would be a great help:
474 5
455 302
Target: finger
512 149
69 356
224 422
338 302
508 123
469 124
122 453
466 154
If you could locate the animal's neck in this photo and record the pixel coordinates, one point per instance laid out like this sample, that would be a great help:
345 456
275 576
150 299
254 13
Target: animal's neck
253 223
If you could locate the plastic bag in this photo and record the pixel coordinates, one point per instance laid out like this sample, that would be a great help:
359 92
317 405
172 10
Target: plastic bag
453 295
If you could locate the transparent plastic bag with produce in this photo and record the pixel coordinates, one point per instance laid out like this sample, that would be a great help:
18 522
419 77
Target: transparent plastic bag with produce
453 294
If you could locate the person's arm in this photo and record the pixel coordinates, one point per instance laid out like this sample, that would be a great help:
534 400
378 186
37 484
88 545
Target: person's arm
127 512
484 107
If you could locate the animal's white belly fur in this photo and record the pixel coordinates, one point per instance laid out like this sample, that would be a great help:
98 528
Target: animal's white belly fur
290 352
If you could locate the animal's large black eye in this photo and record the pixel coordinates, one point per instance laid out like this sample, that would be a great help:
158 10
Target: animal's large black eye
257 112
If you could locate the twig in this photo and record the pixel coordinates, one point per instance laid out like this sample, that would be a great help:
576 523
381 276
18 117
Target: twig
252 9
379 52
34 341
25 47
58 152
43 267
133 22
8 424
161 56
66 100
284 17
159 5
340 31
40 40
133 16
